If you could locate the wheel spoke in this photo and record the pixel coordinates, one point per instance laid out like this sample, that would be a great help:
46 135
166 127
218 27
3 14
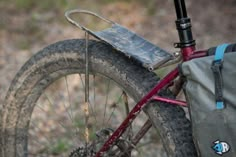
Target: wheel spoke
121 104
51 104
127 110
45 137
146 143
50 93
62 125
107 91
114 106
69 98
67 111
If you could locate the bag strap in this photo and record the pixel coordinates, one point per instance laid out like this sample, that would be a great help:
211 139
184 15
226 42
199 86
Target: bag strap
216 67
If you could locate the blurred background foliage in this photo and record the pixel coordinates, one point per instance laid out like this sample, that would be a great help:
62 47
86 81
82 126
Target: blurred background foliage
30 17
59 5
27 26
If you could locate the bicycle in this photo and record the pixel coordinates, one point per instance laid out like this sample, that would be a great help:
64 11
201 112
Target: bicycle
105 58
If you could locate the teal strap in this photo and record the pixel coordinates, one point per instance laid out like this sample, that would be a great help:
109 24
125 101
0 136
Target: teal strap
220 105
220 50
216 67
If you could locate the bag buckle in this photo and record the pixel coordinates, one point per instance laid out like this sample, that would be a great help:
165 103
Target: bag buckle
217 65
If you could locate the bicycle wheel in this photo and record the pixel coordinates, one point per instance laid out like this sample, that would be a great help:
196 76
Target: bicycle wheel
43 114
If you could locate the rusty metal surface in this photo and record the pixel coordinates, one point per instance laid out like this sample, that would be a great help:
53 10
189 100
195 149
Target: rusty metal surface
126 41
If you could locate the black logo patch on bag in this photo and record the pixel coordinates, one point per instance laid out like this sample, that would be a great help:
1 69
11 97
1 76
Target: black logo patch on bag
221 147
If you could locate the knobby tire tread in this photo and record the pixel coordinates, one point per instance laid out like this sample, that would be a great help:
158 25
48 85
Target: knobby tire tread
51 62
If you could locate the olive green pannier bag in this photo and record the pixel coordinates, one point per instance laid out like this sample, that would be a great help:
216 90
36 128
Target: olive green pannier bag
210 90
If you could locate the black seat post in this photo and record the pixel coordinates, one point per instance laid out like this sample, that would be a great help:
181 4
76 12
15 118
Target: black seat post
183 25
180 9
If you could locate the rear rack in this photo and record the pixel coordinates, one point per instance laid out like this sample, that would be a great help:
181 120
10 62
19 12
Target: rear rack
125 41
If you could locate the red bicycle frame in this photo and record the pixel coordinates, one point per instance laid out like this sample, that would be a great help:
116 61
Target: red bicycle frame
187 46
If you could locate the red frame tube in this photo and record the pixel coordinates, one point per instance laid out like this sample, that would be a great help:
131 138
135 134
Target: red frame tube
170 101
135 111
197 54
188 53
